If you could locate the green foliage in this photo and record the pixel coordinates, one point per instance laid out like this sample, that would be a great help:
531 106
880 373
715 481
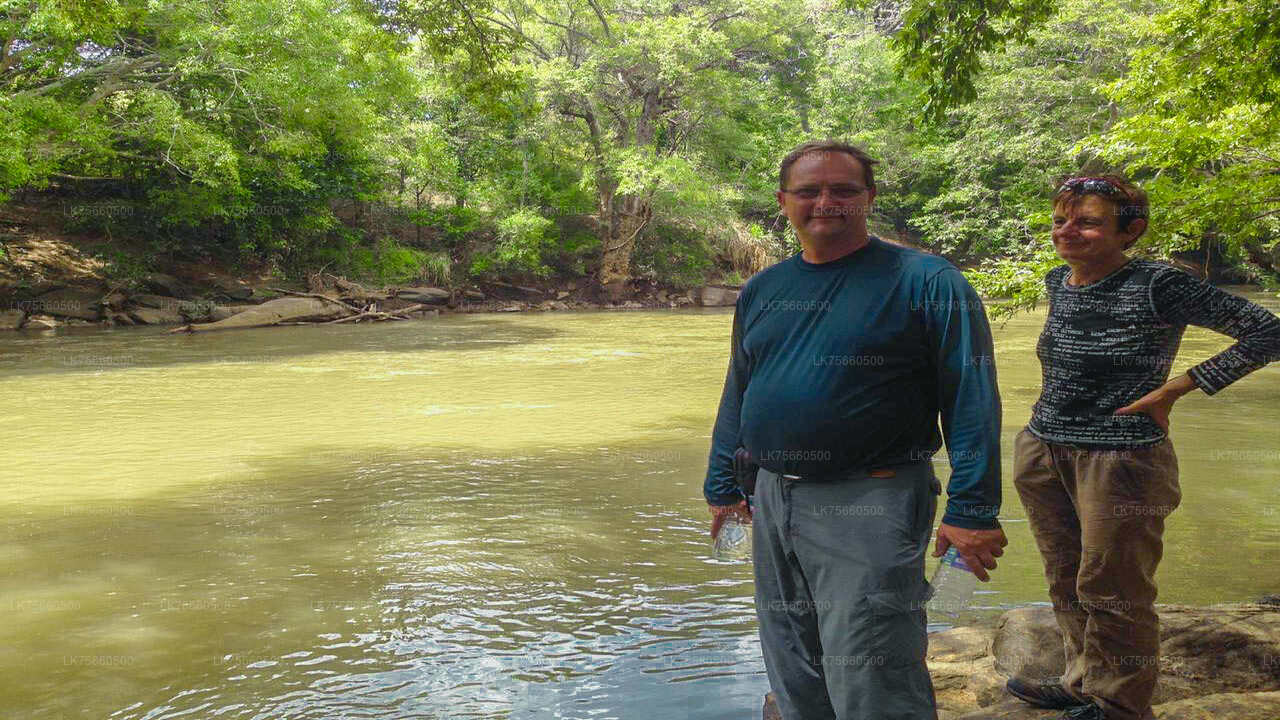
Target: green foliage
523 239
1020 281
538 137
674 256
122 267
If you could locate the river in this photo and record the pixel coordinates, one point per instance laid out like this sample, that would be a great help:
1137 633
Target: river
475 516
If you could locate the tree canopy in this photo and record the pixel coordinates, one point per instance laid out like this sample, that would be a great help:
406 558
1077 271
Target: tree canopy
628 141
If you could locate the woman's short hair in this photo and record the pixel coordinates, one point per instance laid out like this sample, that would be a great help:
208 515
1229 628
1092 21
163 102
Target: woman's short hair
826 146
1128 200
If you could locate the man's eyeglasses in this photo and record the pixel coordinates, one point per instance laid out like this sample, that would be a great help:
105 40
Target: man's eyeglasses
838 192
1101 186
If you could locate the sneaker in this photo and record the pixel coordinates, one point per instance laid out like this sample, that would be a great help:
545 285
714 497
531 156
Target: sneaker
1085 712
1049 695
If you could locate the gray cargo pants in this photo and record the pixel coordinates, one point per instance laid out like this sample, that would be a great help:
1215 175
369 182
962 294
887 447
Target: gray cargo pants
840 588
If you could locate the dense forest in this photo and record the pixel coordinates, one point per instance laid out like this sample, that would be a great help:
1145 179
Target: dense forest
627 141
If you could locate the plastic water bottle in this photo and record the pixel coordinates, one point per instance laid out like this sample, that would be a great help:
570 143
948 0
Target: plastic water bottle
733 543
953 585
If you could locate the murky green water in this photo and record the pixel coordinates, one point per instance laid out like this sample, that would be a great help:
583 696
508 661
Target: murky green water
471 517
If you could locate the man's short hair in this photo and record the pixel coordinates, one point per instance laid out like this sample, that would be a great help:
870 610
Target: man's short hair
827 146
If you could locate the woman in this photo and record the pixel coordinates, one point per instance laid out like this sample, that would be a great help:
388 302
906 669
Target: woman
1094 467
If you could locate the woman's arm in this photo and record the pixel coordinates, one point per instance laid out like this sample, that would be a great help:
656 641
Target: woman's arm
1180 299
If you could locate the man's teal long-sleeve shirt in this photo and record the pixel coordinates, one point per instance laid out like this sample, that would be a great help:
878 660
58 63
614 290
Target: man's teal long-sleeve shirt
847 365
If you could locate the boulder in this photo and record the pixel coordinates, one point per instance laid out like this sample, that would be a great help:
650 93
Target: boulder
156 316
233 289
1215 662
713 296
160 302
71 303
770 711
12 319
197 310
1236 706
1217 648
1010 708
473 296
286 309
424 295
1028 644
40 322
396 303
562 294
115 300
168 285
222 312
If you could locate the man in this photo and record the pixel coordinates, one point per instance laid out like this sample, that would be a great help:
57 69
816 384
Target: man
843 357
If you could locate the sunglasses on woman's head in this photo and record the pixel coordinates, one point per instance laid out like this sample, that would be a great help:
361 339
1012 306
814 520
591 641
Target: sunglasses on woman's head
1102 186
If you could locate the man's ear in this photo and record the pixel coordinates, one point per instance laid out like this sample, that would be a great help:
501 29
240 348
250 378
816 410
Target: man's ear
782 204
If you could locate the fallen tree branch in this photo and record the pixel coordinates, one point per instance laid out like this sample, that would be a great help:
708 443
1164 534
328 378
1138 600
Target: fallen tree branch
317 296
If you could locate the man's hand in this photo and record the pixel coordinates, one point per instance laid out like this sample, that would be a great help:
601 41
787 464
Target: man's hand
978 548
1159 402
720 512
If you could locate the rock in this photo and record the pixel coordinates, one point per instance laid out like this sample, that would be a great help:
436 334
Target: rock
71 303
681 301
396 303
169 285
562 294
615 291
473 296
770 711
557 305
713 296
632 305
115 300
424 295
40 322
160 302
1010 708
12 319
286 309
962 671
507 291
1202 650
233 289
1235 706
222 312
514 307
1028 644
662 296
156 316
1233 647
197 310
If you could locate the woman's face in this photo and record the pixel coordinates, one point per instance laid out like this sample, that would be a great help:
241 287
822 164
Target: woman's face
1088 233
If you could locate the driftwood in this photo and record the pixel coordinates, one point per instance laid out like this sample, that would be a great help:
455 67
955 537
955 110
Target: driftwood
317 296
300 309
378 315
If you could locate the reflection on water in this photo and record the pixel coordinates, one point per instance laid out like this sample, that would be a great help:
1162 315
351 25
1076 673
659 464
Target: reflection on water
462 518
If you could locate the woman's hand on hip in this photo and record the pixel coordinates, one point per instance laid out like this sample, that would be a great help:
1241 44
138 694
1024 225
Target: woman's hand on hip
1159 402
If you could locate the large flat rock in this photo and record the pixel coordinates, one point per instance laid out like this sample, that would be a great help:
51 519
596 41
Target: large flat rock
286 309
69 303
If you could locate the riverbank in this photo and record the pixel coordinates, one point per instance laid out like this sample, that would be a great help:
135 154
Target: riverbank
1220 662
211 301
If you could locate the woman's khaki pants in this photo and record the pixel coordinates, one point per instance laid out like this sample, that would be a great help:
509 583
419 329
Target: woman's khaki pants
1098 517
